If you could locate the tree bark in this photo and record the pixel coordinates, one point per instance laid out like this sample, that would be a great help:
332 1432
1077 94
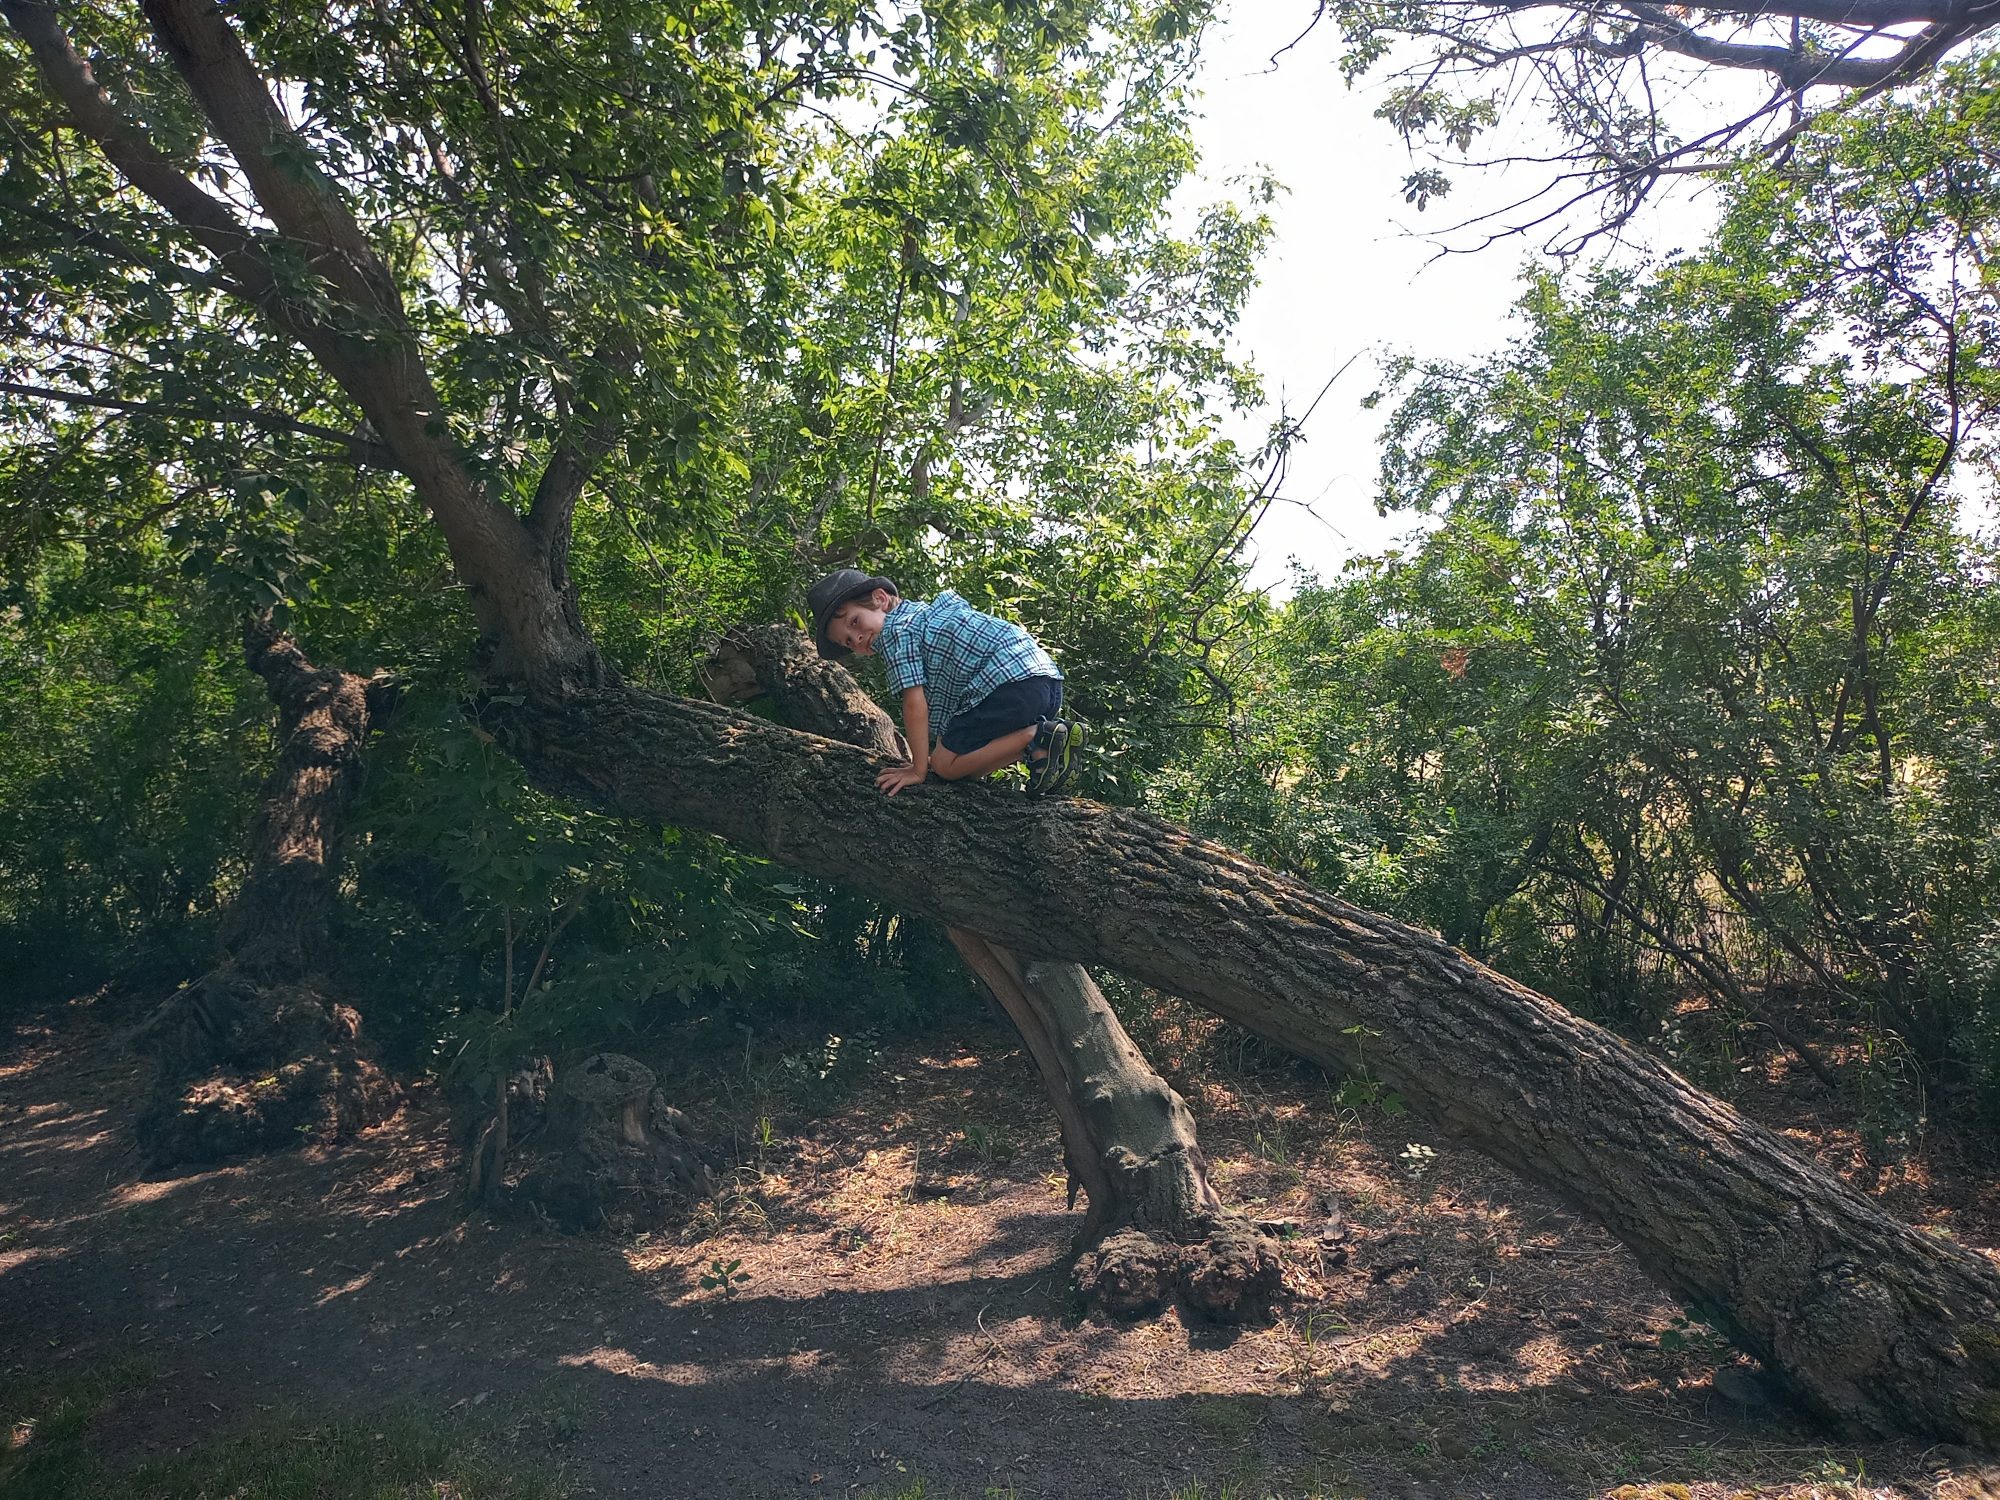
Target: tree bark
1128 1139
258 1053
1876 1327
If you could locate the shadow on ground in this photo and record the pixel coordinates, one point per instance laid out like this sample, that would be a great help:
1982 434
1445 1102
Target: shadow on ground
1466 1340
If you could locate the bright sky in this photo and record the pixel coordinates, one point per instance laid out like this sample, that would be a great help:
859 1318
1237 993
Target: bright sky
1349 271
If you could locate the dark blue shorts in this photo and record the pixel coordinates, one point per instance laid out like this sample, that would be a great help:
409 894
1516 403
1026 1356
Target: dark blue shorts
1019 704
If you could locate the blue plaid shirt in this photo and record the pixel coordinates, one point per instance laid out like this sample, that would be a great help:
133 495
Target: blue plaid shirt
955 654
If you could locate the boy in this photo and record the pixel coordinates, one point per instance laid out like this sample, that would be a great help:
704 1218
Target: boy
980 686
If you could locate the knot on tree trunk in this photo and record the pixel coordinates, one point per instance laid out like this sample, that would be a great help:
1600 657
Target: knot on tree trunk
611 1148
781 662
1231 1276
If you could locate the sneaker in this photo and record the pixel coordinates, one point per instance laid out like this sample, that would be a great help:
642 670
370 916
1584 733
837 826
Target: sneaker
1053 770
1064 760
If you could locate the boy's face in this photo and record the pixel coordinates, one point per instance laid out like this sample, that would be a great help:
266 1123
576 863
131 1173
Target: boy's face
857 622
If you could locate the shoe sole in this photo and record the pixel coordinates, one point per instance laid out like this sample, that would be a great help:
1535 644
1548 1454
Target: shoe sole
1043 777
1060 775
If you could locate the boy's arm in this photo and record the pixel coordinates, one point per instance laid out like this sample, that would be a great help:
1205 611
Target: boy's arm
917 731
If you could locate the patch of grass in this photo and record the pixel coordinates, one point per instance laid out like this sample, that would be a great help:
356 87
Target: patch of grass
914 1489
47 1454
1228 1419
42 1426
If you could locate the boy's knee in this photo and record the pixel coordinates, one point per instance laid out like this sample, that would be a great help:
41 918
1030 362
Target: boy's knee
946 766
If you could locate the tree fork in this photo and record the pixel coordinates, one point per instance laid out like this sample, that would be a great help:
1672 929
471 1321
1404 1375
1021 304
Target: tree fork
1874 1326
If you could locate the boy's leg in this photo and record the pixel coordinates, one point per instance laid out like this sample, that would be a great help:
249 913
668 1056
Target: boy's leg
951 766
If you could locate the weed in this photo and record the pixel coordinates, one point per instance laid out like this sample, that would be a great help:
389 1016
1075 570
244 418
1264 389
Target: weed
722 1278
1360 1092
1417 1160
1693 1334
989 1143
1275 1144
1314 1326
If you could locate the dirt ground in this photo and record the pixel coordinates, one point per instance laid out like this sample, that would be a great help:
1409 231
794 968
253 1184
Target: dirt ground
905 1314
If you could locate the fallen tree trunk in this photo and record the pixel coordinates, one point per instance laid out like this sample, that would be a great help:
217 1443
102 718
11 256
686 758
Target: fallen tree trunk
1876 1327
259 1053
1128 1139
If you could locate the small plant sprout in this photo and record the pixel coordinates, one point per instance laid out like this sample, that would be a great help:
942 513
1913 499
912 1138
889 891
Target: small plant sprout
723 1277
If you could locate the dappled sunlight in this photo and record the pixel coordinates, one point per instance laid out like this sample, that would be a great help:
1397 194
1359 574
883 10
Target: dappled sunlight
149 1190
345 1288
12 1259
908 1286
612 1360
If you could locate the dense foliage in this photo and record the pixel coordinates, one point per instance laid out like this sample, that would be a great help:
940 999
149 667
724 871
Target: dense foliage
889 286
1688 688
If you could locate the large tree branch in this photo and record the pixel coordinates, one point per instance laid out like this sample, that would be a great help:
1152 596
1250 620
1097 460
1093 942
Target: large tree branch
69 78
1859 15
360 450
1792 67
281 168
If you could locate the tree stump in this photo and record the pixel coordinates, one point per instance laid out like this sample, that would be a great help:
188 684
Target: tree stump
259 1054
611 1149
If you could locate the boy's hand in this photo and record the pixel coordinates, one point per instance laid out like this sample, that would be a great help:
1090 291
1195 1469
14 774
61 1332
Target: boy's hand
896 778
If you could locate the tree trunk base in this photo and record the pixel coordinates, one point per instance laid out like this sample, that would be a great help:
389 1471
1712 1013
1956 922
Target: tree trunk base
606 1149
1234 1275
246 1068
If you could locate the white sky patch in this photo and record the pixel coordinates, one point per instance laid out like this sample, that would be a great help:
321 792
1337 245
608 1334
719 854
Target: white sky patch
1349 271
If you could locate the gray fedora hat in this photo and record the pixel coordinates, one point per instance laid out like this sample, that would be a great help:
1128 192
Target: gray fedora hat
834 590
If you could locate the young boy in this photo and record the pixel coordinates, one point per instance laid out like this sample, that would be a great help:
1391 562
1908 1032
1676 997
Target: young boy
979 686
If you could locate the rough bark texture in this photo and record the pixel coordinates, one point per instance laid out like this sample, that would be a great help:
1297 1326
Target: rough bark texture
257 1054
1878 1328
1128 1139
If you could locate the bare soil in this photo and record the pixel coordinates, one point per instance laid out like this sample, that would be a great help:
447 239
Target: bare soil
905 1315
